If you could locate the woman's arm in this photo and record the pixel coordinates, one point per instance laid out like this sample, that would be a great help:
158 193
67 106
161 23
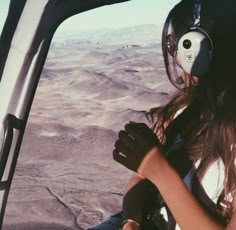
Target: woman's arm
141 152
134 200
187 212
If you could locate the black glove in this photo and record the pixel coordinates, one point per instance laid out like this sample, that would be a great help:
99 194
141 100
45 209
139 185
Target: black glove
133 144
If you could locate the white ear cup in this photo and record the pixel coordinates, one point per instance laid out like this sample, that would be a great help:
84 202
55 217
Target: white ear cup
194 53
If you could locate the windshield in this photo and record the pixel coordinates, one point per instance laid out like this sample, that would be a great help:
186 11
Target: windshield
102 71
3 12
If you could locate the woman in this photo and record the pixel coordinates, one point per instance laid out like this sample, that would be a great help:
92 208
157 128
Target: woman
191 133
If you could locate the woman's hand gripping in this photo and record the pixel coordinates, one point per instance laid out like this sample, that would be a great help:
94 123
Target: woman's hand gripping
136 146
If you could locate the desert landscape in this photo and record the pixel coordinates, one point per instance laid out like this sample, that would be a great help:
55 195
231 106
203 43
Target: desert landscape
92 84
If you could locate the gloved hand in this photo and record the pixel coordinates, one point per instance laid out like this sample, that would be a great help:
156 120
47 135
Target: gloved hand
133 144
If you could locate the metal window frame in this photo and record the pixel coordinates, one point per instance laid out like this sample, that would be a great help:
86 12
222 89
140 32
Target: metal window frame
24 45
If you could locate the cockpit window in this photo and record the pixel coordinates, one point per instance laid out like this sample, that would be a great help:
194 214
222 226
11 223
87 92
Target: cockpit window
104 68
4 5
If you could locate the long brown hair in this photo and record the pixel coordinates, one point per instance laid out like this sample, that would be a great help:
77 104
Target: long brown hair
210 132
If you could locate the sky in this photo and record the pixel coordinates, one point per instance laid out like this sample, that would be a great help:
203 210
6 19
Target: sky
134 12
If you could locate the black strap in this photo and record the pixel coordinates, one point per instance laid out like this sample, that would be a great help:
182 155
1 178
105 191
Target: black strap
207 204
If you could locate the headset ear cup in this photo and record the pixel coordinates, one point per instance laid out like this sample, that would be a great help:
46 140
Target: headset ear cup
194 53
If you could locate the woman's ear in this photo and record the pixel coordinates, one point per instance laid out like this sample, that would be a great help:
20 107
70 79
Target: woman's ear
177 59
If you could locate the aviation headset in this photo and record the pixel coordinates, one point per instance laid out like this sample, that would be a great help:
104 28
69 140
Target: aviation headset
194 48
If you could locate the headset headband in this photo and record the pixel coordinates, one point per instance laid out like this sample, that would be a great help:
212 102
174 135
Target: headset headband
197 13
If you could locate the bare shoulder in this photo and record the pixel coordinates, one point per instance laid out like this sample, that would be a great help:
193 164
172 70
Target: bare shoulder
234 203
232 223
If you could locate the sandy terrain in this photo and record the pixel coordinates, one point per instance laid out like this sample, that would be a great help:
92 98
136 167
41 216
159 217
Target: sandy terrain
66 177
